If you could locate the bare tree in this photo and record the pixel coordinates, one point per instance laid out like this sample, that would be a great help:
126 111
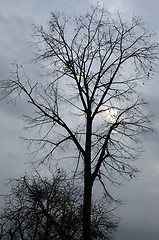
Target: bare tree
89 101
50 208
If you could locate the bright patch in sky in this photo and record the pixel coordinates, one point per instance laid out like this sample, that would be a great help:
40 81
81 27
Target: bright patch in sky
110 114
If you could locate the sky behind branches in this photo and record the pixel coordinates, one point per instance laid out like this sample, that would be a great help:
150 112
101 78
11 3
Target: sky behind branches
140 212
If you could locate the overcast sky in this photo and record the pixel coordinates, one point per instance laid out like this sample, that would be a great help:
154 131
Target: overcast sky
140 211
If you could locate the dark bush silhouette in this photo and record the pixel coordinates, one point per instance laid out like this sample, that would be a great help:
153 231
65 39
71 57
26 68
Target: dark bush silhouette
50 208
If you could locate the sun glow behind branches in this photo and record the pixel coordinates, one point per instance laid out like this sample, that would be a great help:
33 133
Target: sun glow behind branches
108 115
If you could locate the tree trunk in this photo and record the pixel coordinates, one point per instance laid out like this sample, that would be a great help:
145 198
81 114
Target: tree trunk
87 209
87 181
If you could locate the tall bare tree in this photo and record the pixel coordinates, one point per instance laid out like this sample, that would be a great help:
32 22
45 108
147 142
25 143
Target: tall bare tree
89 101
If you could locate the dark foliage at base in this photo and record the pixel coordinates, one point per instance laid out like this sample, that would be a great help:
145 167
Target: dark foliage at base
50 208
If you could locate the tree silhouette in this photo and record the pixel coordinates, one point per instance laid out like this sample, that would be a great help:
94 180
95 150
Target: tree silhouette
88 107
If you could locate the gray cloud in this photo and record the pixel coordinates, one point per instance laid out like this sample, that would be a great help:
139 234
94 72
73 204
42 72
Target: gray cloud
12 157
14 40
